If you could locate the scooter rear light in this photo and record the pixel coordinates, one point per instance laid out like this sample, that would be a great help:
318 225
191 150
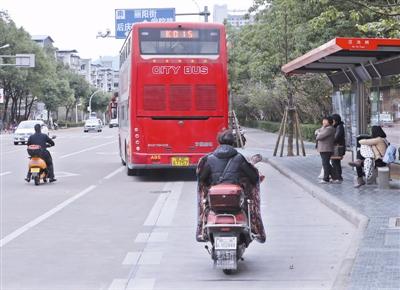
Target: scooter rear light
224 220
210 217
224 229
240 218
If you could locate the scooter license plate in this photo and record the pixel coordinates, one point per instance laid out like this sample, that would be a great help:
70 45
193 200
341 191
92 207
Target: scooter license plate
225 243
35 170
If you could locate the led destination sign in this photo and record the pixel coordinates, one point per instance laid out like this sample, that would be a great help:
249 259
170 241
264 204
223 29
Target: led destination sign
179 34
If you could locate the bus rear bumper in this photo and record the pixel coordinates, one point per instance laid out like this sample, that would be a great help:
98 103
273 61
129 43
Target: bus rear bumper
153 161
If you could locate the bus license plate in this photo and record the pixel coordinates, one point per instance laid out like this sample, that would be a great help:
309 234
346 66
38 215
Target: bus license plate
224 243
180 161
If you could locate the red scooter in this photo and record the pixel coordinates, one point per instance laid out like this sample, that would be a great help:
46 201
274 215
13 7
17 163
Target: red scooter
231 220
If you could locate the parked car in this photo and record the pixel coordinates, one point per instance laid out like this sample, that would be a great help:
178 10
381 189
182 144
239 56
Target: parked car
27 128
113 123
386 120
93 124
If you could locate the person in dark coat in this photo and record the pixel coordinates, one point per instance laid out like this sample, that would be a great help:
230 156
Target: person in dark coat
240 171
338 140
216 163
325 137
38 138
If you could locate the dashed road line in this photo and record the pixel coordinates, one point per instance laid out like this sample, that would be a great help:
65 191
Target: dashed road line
68 155
48 214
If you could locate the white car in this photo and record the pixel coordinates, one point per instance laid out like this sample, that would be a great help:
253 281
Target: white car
113 123
93 124
27 128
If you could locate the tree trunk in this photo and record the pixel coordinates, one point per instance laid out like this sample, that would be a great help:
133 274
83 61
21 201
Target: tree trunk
67 108
290 116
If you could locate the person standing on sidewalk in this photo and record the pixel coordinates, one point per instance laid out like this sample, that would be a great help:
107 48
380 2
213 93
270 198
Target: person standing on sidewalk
325 137
338 140
378 146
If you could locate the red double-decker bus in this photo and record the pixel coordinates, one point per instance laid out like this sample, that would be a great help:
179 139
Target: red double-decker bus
173 94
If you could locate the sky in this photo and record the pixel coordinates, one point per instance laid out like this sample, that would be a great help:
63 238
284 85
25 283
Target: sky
74 24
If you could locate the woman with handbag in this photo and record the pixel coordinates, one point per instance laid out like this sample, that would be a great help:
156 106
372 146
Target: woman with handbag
340 142
379 148
325 137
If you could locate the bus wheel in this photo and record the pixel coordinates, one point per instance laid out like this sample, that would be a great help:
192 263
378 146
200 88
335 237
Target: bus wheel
129 172
120 154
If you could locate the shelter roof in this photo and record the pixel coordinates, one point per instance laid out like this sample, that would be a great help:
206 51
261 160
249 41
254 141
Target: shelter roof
348 60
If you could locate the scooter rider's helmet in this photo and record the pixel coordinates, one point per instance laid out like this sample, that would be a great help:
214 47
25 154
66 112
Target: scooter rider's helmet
38 128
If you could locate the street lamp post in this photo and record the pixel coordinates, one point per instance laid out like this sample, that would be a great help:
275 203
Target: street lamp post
198 8
90 102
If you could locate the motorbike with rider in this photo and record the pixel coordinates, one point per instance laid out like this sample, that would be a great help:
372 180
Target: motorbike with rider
38 142
228 203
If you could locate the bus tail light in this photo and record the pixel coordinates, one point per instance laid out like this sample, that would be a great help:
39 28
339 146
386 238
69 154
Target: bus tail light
137 138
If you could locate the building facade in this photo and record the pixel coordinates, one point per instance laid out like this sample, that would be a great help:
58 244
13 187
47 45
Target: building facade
233 17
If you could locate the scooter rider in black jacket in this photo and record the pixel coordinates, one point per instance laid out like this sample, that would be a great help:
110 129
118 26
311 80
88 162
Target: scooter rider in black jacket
38 138
216 163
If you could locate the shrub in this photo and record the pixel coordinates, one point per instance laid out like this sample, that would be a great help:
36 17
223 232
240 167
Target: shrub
307 130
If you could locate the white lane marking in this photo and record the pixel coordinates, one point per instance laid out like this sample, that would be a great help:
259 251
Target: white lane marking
141 284
132 258
168 211
8 172
36 221
142 238
108 153
157 207
118 284
133 284
88 149
142 258
150 258
155 211
65 174
48 214
164 209
158 237
151 237
115 172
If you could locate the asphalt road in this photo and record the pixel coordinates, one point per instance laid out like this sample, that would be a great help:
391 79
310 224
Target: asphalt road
97 228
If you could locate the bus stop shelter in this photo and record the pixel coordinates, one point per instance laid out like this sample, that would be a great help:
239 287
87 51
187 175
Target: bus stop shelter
352 61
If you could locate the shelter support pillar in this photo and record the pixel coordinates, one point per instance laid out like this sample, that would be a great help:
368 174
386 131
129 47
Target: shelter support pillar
361 107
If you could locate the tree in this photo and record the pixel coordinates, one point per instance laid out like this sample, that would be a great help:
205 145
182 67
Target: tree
21 85
74 87
283 31
379 18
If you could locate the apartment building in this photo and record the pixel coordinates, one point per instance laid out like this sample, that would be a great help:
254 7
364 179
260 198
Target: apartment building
101 75
234 17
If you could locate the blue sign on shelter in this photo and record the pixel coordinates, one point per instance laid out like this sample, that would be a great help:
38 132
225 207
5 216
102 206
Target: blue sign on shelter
124 18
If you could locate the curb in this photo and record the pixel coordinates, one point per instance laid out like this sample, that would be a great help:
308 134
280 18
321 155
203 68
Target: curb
347 212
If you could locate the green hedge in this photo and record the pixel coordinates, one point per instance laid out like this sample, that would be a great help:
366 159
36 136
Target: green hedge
61 124
307 130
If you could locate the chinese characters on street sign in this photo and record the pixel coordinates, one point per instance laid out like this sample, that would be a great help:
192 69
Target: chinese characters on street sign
124 18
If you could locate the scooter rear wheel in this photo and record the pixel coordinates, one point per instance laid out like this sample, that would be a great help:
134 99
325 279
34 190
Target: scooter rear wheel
37 180
227 271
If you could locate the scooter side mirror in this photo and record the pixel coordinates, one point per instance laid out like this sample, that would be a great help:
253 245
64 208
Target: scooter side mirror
256 158
53 137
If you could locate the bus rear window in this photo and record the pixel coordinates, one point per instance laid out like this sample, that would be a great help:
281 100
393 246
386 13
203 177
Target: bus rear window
158 41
